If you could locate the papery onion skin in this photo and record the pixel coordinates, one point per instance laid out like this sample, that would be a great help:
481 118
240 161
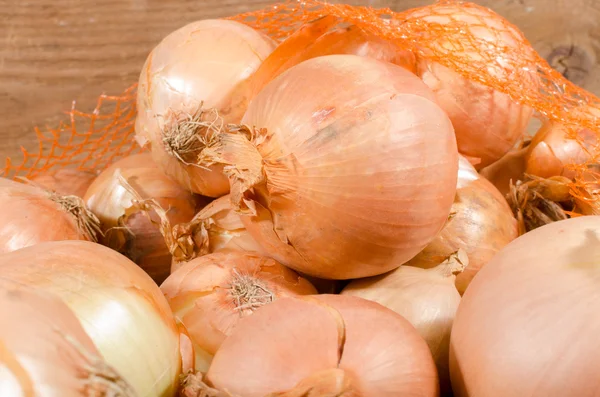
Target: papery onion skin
528 324
126 225
292 339
209 295
66 181
203 64
46 352
487 122
323 37
355 181
481 223
31 215
118 305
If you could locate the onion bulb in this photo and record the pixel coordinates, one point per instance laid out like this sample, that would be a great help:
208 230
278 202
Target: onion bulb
487 122
427 298
31 215
66 181
481 223
343 183
338 345
44 350
119 306
528 324
205 64
325 36
130 227
209 295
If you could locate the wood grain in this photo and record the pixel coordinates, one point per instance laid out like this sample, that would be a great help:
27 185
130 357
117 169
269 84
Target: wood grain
55 51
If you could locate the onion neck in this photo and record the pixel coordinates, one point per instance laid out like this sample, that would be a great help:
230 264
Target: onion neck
453 265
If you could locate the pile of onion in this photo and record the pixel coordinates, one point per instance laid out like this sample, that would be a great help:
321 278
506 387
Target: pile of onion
528 324
45 351
427 298
327 36
130 224
487 122
343 183
31 215
326 345
211 294
66 181
203 65
121 309
480 223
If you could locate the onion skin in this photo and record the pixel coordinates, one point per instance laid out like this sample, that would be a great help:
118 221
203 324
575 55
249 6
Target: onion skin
119 306
204 294
31 215
427 298
481 223
45 351
292 339
66 181
528 324
487 122
205 63
328 208
322 37
126 225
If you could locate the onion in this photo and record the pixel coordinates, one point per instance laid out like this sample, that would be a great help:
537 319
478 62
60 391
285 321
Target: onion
528 324
487 122
511 167
130 227
118 305
31 215
427 298
343 344
343 183
210 294
206 63
323 37
66 181
481 223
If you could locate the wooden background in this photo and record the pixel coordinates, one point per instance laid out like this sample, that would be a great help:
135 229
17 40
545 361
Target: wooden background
55 51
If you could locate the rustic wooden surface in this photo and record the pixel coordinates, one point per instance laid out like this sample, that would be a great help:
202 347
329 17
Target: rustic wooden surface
55 51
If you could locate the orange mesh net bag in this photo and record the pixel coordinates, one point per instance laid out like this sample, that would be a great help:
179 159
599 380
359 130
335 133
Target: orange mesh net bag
465 38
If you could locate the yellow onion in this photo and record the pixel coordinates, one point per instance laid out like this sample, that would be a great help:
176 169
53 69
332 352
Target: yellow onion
211 294
44 351
481 223
31 215
121 309
66 181
325 36
427 298
203 64
343 183
326 345
214 228
487 122
130 226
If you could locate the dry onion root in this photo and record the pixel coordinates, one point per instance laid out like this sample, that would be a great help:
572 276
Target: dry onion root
31 215
203 64
45 351
337 345
121 309
481 223
211 294
342 184
427 298
66 181
119 198
326 36
487 122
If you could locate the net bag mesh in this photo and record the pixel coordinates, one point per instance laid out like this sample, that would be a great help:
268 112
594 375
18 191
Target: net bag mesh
92 141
